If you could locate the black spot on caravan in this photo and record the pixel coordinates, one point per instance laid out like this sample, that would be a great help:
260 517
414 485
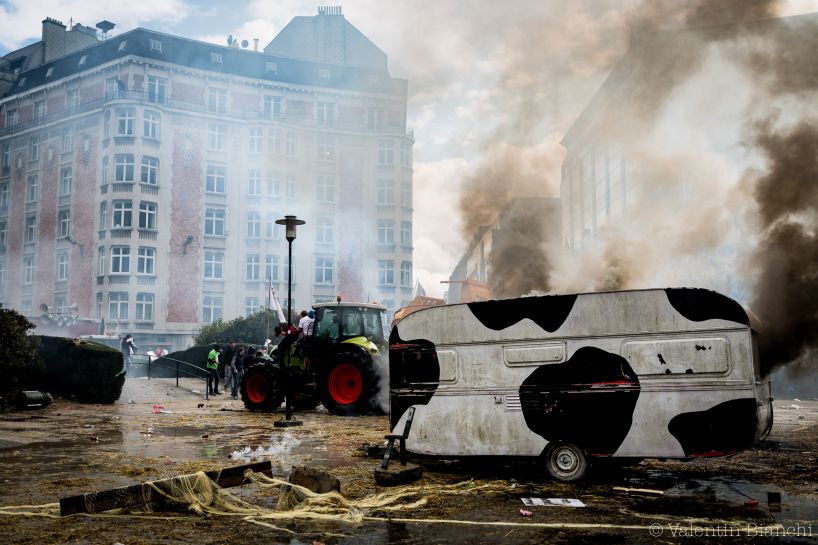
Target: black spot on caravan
414 374
587 400
698 305
549 311
727 427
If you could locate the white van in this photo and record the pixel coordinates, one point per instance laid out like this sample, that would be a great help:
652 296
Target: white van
669 373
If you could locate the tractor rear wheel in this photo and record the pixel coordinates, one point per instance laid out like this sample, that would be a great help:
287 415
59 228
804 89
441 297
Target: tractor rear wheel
348 384
261 388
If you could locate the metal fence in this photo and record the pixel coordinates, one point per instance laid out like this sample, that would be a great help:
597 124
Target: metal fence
178 368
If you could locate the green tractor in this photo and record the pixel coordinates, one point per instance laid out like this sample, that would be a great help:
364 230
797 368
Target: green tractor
339 365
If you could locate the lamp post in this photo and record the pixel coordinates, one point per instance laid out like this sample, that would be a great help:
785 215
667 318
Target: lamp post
290 223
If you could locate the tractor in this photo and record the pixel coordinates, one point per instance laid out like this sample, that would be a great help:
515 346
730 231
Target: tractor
339 365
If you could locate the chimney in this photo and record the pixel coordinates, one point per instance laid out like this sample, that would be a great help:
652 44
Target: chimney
255 44
53 39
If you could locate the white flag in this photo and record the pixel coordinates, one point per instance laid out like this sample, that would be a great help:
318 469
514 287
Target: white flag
275 305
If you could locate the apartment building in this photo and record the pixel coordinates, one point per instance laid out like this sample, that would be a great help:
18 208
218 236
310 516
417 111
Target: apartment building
141 175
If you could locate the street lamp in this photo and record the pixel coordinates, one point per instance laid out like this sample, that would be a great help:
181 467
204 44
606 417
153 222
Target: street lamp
290 223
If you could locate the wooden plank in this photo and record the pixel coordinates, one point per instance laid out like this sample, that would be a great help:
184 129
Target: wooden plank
116 498
648 491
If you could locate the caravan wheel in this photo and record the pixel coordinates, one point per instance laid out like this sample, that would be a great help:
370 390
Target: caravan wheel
566 462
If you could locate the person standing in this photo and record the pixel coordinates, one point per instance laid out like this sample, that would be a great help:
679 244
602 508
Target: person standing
213 370
224 360
234 371
128 349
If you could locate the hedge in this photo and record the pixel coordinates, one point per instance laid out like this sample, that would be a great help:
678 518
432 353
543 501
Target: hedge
89 371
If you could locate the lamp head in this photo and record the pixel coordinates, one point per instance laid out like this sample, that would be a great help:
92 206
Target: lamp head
290 223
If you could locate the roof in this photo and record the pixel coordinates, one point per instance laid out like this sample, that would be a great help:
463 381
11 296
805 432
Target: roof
327 38
347 304
194 54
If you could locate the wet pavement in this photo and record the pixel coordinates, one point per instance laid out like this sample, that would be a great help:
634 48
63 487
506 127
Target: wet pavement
69 449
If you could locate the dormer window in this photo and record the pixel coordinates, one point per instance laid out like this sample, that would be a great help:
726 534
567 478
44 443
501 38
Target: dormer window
156 45
323 73
215 58
49 72
271 67
123 43
82 60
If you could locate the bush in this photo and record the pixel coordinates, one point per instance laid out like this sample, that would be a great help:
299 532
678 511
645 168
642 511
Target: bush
252 329
20 364
90 371
166 365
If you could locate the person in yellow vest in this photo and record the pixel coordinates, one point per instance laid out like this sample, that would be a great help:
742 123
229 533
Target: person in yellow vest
212 370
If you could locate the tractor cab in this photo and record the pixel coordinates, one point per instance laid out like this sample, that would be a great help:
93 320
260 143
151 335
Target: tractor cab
342 322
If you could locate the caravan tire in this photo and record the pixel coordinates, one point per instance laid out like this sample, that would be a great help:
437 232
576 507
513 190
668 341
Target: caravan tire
566 462
261 388
348 384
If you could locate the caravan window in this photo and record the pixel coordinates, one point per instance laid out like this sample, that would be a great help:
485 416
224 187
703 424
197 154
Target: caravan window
678 356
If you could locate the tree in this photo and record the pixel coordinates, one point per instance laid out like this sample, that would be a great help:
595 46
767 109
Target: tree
20 363
252 329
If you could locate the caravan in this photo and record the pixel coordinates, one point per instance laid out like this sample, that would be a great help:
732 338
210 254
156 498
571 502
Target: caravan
569 379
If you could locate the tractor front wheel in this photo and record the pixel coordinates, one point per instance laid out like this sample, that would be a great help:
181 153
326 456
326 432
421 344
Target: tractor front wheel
261 388
348 384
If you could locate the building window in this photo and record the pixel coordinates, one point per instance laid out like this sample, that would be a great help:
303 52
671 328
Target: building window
406 194
82 60
103 214
323 73
325 189
72 98
122 214
252 265
124 43
150 171
216 100
251 305
147 215
255 140
274 141
405 154
215 179
32 188
253 225
291 144
145 261
386 152
272 107
104 171
325 114
64 222
386 192
324 230
125 122
62 267
155 45
39 110
2 274
254 182
273 184
271 268
66 181
216 137
118 306
215 58
386 273
214 222
150 124
406 274
123 167
386 231
323 270
3 236
270 67
67 140
273 230
157 89
31 228
289 185
101 261
212 308
4 196
213 266
406 233
28 270
326 148
11 119
6 162
34 148
120 259
144 307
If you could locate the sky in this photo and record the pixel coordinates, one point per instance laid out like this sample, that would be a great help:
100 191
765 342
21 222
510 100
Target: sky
489 82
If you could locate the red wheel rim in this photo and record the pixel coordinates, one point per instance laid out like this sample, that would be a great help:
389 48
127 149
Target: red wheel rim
257 388
345 384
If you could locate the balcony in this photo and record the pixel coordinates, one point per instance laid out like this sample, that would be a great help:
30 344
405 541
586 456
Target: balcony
122 187
147 234
149 189
121 232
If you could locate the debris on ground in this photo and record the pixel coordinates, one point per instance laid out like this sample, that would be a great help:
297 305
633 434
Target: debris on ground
552 502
